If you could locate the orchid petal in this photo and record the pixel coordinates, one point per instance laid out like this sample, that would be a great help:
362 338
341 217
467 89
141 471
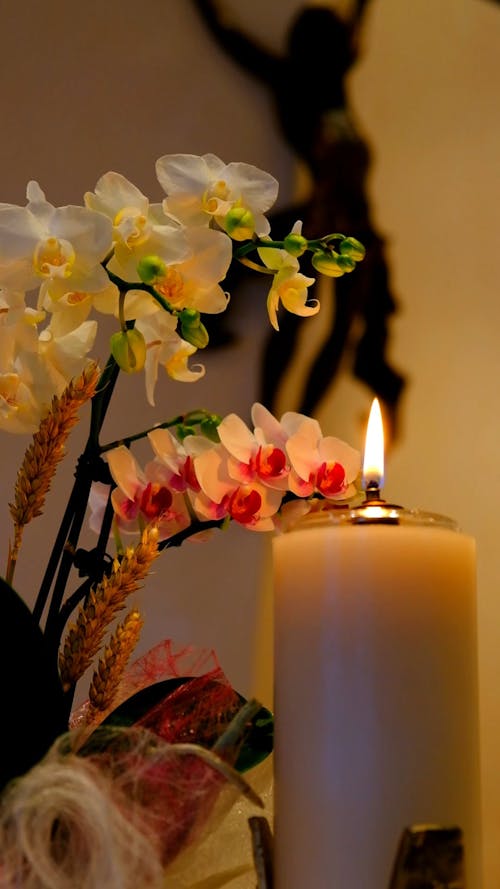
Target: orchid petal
272 305
166 447
236 437
267 427
258 188
112 193
212 475
125 470
301 448
334 450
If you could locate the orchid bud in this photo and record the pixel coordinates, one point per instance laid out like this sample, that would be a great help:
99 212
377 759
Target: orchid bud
150 268
192 329
191 317
295 244
346 263
183 430
208 427
328 263
194 417
352 248
239 223
128 348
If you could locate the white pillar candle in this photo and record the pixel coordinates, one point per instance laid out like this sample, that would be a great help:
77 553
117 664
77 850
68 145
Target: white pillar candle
376 703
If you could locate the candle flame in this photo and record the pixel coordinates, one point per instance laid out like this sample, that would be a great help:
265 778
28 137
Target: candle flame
373 463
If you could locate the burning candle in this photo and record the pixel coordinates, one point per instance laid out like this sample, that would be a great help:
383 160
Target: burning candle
375 688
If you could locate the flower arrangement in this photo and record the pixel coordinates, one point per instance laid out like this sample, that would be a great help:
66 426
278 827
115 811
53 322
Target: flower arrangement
114 792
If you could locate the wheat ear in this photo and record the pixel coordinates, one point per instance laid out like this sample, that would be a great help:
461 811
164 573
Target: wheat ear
111 667
85 636
44 453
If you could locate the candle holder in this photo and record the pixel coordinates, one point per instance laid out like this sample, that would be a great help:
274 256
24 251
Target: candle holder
429 856
376 511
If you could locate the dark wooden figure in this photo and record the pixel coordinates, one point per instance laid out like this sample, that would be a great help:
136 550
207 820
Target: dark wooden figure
309 91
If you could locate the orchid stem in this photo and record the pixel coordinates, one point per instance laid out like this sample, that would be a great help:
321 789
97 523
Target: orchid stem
139 435
255 266
61 558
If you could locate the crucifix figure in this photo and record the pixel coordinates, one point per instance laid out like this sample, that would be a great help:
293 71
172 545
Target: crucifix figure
308 84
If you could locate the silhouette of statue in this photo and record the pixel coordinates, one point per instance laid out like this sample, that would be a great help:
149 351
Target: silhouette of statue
308 86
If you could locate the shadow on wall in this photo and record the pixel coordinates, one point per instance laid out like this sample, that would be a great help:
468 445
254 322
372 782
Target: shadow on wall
321 49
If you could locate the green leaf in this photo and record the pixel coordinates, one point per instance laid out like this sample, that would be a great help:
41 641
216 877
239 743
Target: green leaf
258 741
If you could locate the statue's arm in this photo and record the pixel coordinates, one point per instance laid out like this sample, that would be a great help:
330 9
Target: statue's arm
248 53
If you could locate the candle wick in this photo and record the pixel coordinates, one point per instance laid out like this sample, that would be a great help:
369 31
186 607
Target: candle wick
372 493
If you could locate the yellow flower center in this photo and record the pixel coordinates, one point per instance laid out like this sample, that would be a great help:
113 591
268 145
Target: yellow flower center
132 226
171 286
54 258
177 362
74 298
288 290
219 191
8 391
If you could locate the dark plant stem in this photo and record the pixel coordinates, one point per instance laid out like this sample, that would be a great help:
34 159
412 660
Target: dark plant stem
196 527
139 435
60 541
95 577
89 469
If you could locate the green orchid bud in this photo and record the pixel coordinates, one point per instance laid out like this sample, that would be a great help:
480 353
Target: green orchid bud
183 430
352 248
190 317
128 348
295 244
197 336
328 263
150 268
346 263
208 427
192 329
239 223
195 417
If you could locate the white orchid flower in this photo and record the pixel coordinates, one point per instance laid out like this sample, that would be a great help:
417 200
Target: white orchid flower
203 188
62 247
194 283
64 355
289 285
13 309
71 310
18 329
139 228
19 410
290 288
35 366
44 360
165 347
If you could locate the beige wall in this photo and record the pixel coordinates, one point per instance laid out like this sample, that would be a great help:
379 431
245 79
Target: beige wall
95 86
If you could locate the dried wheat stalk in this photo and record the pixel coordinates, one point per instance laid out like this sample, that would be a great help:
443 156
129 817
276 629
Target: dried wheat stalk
112 664
96 613
44 453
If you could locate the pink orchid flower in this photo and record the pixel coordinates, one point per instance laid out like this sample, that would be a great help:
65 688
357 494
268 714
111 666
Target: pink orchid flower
250 504
145 495
259 455
324 465
178 463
